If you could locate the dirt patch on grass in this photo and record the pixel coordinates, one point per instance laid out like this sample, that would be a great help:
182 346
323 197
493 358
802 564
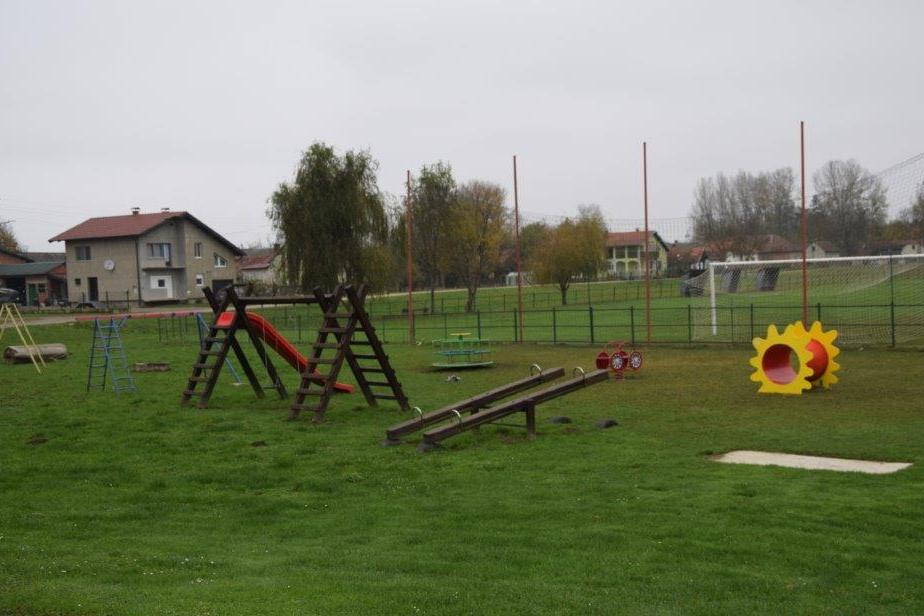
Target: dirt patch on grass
789 460
37 439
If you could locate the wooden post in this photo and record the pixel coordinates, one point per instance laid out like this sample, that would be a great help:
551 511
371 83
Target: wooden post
530 410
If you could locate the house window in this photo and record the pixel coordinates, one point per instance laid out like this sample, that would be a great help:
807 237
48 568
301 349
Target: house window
41 287
220 261
197 250
161 283
159 251
76 282
200 280
83 253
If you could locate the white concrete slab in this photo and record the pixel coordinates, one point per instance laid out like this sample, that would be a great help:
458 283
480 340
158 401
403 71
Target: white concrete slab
789 460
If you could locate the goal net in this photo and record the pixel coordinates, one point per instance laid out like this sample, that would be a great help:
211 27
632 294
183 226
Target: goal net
875 299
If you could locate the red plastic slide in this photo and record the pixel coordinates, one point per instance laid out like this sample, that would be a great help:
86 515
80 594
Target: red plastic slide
276 341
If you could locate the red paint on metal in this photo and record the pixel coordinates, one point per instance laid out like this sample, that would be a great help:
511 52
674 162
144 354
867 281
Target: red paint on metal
819 361
647 239
777 364
516 230
804 224
411 333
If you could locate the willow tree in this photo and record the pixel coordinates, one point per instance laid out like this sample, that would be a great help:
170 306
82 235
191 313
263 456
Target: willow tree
330 221
575 248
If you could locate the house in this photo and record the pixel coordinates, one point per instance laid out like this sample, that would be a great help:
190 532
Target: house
8 257
624 254
44 256
156 257
820 249
259 265
769 247
686 256
39 282
899 247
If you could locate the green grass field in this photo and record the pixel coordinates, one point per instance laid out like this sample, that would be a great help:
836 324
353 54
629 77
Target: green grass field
864 315
133 505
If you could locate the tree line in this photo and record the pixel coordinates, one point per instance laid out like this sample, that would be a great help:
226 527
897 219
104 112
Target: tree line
333 224
849 209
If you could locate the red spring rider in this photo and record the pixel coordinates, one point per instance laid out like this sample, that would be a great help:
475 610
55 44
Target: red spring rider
615 357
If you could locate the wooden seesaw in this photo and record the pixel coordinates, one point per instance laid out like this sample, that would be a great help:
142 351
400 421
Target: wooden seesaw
480 413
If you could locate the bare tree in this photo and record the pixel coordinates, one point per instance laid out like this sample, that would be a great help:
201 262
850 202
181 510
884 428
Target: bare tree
849 206
734 214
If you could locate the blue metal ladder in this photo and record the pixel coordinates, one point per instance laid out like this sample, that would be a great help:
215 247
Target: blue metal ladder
107 358
203 329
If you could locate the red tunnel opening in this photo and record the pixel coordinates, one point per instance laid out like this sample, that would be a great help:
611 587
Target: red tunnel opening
778 361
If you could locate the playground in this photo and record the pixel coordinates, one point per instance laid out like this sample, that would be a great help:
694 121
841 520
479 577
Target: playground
129 503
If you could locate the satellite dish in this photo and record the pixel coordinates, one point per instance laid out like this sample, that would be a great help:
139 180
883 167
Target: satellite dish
108 265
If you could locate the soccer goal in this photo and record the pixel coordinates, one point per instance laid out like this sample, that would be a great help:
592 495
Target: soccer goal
872 299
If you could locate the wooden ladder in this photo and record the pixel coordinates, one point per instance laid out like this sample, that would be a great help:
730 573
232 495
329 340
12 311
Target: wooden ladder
346 303
208 364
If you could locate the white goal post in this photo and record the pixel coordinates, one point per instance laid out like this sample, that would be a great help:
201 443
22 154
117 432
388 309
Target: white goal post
854 279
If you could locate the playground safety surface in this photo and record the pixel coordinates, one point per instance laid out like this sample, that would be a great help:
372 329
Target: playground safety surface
789 460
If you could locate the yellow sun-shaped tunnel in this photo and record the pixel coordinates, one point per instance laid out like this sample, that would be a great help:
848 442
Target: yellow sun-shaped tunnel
797 359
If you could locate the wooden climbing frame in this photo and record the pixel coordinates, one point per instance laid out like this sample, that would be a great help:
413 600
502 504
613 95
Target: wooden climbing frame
344 304
345 316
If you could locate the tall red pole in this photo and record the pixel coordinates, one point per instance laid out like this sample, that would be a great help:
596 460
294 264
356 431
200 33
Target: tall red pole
411 334
646 256
516 235
804 228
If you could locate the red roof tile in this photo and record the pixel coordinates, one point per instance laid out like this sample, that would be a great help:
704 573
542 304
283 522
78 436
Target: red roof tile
632 238
255 262
131 225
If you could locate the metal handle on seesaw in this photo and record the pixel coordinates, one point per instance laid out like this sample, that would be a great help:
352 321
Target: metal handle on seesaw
535 369
458 416
583 374
419 412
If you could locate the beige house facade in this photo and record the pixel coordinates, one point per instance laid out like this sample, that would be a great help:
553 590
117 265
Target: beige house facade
625 254
147 258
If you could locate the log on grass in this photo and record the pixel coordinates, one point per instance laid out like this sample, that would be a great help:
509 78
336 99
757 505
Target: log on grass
21 354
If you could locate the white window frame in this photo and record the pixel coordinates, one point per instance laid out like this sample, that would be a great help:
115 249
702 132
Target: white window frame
197 250
89 252
219 261
200 279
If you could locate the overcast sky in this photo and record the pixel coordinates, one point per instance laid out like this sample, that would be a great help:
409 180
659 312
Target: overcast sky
206 106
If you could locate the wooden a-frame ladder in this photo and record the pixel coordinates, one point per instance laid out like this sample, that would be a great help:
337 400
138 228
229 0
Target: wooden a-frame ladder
345 316
220 339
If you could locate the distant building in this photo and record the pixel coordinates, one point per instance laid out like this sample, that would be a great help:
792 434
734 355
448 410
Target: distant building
625 254
820 249
39 283
157 257
898 247
259 265
686 256
9 257
769 247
